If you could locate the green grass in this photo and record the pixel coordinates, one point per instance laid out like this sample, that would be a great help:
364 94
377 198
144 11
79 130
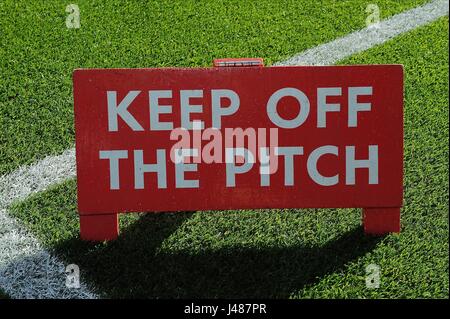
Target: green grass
285 253
415 263
38 53
3 295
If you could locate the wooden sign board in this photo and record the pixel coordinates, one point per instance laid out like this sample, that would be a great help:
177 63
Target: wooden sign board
220 138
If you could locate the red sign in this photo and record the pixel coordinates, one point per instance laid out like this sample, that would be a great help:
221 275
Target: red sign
174 139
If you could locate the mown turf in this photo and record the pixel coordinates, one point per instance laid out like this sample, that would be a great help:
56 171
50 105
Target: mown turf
285 253
38 53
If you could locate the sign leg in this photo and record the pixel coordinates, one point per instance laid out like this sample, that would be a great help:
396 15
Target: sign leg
380 221
99 227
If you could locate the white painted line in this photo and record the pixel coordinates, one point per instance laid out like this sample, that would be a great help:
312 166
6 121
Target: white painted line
37 177
341 48
29 271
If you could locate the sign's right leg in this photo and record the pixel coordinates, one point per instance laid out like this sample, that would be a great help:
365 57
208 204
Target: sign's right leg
381 221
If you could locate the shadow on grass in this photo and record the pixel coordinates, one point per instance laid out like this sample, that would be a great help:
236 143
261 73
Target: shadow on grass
133 267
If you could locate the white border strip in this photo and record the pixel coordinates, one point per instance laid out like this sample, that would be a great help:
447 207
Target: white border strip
26 269
28 180
29 271
341 48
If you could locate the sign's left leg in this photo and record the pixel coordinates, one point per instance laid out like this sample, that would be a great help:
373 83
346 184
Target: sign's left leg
99 227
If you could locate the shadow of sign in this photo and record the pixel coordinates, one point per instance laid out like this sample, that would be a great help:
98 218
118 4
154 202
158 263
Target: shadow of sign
134 267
